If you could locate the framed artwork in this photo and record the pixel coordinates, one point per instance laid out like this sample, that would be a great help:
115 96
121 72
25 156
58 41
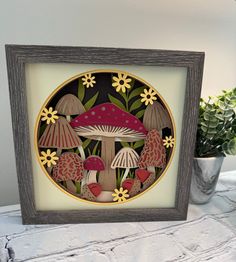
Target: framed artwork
103 134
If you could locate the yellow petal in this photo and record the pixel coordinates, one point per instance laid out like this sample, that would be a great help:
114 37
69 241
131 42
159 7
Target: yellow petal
143 99
115 79
53 162
115 84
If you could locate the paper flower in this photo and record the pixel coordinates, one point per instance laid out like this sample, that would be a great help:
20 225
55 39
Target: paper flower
88 80
49 158
168 141
49 115
121 82
120 195
148 96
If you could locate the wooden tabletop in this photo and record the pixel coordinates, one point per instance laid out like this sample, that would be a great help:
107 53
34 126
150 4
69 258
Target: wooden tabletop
209 234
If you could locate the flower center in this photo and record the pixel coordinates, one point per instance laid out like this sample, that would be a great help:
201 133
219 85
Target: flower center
88 80
48 158
122 82
120 195
148 96
49 115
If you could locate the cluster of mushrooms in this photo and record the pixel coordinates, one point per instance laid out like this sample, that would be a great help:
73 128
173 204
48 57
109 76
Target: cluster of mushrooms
109 124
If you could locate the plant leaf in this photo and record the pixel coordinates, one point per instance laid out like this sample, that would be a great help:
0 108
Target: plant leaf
140 113
138 144
81 90
86 143
136 92
91 101
135 105
125 144
230 147
116 102
94 152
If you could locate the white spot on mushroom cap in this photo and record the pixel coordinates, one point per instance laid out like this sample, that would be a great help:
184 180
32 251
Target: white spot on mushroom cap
85 117
93 113
103 108
126 121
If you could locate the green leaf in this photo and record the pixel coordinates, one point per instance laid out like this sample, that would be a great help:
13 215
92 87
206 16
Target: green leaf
140 113
94 152
86 143
78 187
116 102
91 101
135 105
81 90
230 147
125 144
136 92
138 144
124 95
42 129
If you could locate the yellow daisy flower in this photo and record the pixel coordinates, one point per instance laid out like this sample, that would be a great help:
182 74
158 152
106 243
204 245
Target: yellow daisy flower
49 115
120 195
48 158
121 82
168 141
88 80
148 96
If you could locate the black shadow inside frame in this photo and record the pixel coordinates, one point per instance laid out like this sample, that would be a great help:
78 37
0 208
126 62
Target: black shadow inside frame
19 55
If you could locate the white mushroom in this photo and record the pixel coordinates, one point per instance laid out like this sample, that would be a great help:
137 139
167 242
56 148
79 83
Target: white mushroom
126 158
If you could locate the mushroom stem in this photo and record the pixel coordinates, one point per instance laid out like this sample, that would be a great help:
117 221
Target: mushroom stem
151 169
81 151
68 118
59 150
49 169
125 175
107 177
70 186
83 182
92 177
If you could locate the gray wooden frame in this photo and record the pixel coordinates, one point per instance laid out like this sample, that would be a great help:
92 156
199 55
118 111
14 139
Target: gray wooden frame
19 55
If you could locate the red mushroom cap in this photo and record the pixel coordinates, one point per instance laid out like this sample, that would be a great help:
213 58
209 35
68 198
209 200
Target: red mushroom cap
94 163
101 118
142 174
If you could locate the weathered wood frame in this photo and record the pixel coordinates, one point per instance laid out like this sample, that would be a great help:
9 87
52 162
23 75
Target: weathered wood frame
19 55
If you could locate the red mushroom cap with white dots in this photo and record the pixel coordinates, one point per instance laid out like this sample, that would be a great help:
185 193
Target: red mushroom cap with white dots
94 163
108 120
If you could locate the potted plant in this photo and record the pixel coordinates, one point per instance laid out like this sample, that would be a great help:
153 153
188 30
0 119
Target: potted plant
216 137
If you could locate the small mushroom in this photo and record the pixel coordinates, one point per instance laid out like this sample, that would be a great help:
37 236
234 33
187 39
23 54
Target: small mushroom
61 136
153 153
108 123
69 167
147 178
69 105
156 117
91 191
132 185
126 158
93 164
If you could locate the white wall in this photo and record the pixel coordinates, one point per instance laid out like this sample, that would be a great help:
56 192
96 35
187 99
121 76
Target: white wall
196 25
